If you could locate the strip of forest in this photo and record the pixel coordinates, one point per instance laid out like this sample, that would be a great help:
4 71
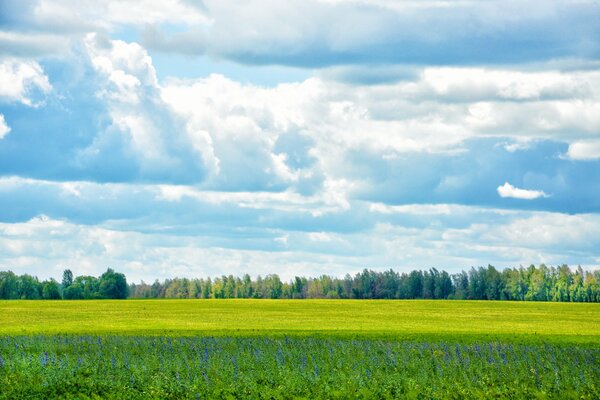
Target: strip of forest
534 283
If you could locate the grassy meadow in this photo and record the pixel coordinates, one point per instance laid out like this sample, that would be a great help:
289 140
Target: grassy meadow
298 349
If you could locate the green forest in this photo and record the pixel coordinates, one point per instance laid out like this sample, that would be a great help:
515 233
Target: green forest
110 285
535 283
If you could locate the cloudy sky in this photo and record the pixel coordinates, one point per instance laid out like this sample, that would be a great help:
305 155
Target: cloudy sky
303 137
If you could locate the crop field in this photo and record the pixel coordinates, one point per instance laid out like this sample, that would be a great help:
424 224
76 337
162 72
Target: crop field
416 319
298 349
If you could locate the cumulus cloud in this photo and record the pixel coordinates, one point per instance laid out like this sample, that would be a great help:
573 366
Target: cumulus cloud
141 125
20 80
310 136
508 190
4 128
585 150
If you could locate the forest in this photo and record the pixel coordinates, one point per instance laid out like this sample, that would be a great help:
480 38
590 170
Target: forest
110 285
541 283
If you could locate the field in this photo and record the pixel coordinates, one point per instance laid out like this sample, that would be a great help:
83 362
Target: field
298 349
464 320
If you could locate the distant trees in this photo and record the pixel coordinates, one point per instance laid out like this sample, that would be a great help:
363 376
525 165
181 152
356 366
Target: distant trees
533 283
110 285
541 283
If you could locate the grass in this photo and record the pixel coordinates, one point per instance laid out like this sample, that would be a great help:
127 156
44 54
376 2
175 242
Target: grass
465 321
130 367
304 349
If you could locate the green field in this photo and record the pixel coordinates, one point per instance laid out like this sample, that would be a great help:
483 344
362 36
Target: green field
298 349
463 320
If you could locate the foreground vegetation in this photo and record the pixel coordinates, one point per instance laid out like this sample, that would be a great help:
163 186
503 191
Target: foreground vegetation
282 349
273 368
391 319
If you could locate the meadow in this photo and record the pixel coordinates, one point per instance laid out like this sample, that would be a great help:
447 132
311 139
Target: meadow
298 349
413 319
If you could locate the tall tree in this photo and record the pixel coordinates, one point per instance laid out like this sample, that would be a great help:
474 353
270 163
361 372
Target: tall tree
67 278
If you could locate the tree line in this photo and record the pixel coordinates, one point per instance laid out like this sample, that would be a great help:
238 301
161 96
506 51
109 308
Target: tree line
540 283
110 285
533 283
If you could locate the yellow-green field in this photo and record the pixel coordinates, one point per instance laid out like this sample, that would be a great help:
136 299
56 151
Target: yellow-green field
462 320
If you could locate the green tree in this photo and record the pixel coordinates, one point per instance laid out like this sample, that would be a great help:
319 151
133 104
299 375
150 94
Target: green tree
29 287
67 279
113 285
51 290
8 285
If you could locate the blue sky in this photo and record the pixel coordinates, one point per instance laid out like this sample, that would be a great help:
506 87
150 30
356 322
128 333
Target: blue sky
199 138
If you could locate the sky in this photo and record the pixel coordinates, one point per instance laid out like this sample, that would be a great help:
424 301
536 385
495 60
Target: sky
189 138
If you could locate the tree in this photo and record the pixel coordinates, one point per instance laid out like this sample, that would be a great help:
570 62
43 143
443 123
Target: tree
273 286
51 290
495 287
8 285
67 279
516 283
538 288
113 285
73 292
461 285
414 285
443 286
477 284
29 287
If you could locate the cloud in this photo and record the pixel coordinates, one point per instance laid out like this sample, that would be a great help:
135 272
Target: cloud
112 120
508 190
21 81
141 126
585 150
44 246
319 33
316 34
70 16
4 128
43 28
28 45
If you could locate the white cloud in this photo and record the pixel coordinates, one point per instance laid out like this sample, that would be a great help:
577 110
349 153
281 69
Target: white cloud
45 246
4 128
19 79
107 14
417 209
508 190
150 231
549 230
142 123
436 112
586 150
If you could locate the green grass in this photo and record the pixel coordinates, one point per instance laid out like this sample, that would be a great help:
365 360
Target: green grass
575 323
131 367
305 349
